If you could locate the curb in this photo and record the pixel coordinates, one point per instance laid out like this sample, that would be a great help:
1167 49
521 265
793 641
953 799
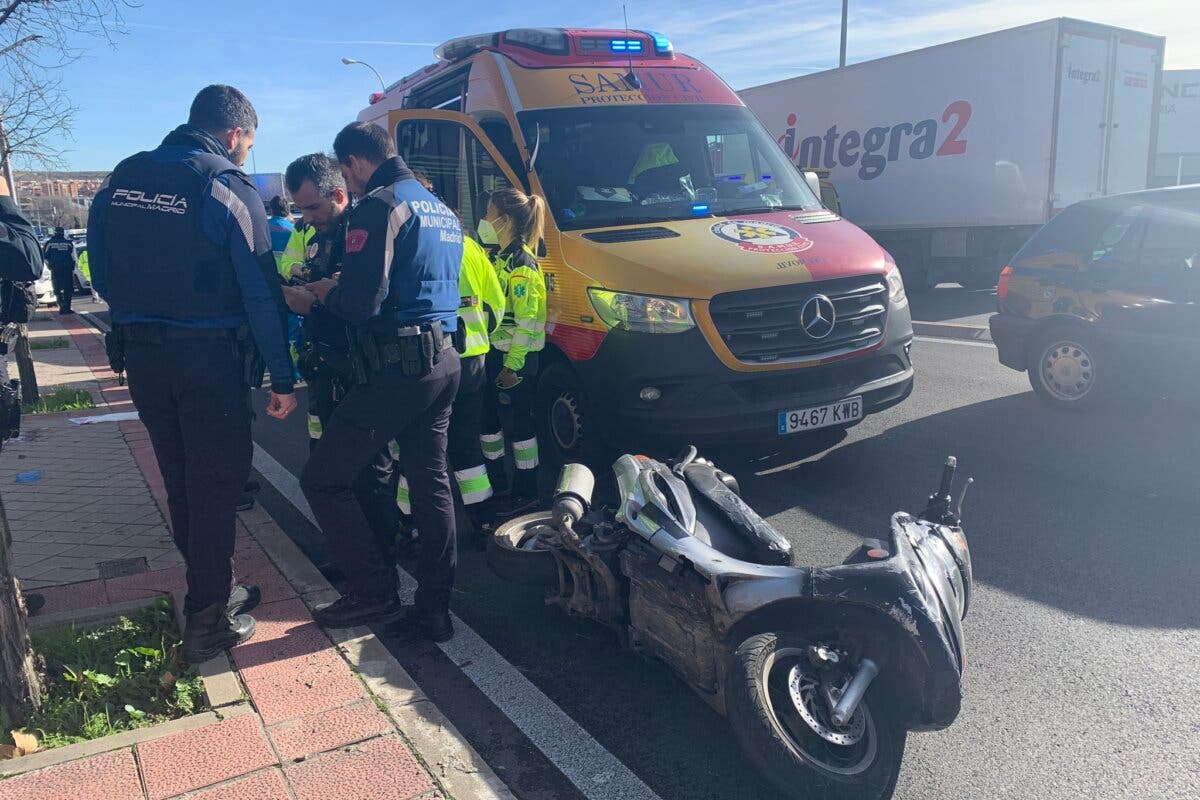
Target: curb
953 330
448 756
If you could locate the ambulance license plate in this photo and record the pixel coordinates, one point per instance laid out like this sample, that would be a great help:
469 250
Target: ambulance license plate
808 419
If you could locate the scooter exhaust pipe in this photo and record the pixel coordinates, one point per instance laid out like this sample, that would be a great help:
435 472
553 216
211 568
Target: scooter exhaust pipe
843 712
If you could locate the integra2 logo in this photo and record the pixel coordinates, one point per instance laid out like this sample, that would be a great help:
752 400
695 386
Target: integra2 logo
135 198
872 150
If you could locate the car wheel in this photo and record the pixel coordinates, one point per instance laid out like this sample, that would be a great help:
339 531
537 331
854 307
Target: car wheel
1066 367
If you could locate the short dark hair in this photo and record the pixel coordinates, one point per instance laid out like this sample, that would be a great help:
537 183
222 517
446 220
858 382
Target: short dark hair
319 168
278 206
366 140
221 108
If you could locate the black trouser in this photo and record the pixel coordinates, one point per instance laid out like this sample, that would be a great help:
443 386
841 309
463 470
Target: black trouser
415 412
188 388
520 399
63 281
374 487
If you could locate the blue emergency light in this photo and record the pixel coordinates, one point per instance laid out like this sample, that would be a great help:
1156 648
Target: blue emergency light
626 45
699 209
662 45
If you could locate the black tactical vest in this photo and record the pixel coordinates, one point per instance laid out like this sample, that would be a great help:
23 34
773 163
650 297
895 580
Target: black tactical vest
161 264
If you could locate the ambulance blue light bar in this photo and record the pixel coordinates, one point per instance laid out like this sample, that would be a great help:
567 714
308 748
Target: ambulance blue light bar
662 45
625 45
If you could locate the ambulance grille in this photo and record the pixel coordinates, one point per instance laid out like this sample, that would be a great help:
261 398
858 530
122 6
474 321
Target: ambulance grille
630 235
762 326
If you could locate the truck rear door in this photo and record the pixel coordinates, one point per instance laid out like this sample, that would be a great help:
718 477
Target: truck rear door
1082 107
1136 76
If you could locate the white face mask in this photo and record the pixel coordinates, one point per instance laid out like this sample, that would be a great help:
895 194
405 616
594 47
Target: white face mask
487 232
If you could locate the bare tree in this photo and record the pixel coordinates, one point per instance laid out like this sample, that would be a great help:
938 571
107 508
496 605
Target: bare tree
37 39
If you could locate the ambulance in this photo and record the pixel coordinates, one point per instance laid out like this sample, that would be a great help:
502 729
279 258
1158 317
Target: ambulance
698 289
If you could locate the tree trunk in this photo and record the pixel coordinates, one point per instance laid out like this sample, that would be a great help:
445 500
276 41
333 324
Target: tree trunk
24 356
20 686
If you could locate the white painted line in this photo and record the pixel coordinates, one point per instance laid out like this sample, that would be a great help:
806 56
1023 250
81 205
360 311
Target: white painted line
594 771
946 340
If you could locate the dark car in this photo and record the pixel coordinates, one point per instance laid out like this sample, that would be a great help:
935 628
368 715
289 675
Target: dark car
1106 294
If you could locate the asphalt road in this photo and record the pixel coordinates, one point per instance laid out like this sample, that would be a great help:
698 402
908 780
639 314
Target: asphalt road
1082 641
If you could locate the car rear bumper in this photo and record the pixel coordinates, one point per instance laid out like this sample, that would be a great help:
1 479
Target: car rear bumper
1010 334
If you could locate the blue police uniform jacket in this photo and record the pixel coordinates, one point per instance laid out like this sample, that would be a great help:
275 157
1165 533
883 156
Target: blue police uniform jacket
402 256
178 236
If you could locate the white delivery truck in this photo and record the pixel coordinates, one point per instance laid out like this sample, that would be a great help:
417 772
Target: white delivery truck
1178 159
951 156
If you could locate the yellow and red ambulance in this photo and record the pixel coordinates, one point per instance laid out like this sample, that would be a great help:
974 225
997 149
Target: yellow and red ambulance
697 287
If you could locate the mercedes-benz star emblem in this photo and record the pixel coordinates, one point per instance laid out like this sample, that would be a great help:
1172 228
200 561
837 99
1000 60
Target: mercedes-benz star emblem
817 316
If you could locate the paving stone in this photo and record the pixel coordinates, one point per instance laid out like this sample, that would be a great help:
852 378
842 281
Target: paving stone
290 668
74 596
253 566
381 769
328 729
214 753
266 785
109 776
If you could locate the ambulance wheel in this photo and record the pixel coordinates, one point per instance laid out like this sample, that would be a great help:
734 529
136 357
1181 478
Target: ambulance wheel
565 421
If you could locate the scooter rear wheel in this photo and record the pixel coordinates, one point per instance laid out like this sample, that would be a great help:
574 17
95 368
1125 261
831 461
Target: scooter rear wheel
783 727
514 553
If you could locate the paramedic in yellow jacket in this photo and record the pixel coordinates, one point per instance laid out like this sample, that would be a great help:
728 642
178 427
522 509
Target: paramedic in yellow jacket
514 222
480 311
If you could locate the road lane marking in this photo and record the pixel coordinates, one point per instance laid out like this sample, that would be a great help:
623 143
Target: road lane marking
595 772
945 340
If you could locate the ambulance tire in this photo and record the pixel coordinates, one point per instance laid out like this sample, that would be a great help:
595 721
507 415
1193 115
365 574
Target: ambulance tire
564 418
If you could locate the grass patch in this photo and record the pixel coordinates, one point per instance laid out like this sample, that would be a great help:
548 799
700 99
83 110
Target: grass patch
122 676
57 343
59 399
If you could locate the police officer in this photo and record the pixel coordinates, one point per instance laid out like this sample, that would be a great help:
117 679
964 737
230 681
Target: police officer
60 257
399 288
317 187
180 250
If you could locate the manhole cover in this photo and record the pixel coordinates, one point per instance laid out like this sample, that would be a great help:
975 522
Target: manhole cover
122 566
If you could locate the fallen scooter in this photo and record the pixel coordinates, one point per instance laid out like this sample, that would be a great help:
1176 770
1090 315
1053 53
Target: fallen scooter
821 671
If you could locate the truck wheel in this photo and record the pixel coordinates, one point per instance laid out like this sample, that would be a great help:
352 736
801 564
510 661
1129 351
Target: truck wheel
515 554
566 423
916 271
1067 367
775 707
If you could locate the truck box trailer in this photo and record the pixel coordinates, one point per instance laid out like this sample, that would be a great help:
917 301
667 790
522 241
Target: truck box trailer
1178 157
952 155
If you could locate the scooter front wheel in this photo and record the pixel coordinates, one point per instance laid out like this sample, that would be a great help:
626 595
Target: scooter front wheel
777 710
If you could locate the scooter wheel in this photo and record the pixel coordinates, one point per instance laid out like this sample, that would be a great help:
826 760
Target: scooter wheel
767 698
514 554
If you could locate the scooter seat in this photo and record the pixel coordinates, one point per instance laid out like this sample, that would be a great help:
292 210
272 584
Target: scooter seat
725 522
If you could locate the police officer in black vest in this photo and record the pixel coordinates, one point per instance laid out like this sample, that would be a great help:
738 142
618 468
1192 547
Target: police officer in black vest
399 289
180 250
318 188
60 257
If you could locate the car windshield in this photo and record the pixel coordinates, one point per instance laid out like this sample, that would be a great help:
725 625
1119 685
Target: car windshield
639 164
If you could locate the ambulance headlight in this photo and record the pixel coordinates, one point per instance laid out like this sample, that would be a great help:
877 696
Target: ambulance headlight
642 313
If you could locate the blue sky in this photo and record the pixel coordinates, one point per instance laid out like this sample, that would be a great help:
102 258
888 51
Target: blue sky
286 55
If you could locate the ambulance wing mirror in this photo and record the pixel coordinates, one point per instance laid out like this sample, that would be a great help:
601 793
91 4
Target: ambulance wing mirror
813 180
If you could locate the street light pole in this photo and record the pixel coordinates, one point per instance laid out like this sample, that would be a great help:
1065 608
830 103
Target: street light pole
349 61
845 16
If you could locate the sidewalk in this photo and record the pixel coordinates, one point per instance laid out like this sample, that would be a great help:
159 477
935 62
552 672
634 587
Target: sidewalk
299 716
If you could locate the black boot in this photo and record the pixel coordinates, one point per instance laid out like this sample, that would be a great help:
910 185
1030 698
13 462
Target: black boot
422 625
350 610
211 631
243 597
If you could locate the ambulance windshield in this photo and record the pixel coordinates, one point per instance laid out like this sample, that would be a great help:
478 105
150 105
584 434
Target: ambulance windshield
639 164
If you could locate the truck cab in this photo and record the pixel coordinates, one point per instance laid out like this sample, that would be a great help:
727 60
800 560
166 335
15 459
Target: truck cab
697 288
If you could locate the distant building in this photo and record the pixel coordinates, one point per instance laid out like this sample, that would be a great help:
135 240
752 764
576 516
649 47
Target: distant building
1178 159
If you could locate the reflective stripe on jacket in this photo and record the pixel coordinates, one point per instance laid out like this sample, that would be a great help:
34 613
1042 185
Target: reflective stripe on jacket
480 292
524 327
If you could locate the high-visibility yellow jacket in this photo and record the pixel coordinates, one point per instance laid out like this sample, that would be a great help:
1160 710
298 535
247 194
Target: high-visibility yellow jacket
296 251
83 265
523 330
479 292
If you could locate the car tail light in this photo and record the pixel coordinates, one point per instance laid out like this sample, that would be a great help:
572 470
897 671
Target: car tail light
1002 284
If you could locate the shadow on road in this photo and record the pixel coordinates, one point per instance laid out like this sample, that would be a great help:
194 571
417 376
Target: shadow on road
1091 513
